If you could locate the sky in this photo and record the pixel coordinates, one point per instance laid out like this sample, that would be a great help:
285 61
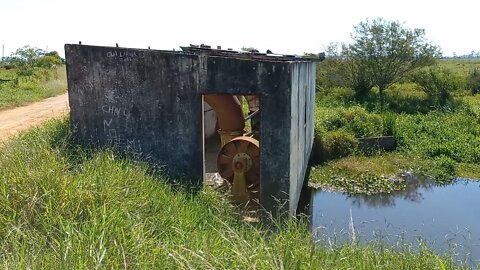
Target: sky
285 27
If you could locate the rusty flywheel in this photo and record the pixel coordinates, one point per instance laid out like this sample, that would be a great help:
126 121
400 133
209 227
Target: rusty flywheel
241 153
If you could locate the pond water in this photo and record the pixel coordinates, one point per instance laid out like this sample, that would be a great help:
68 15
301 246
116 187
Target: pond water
446 218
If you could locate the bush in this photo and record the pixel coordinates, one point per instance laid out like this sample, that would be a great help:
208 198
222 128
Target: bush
329 119
48 62
389 120
407 98
331 73
473 81
30 61
337 128
356 120
442 168
332 145
335 96
363 124
438 84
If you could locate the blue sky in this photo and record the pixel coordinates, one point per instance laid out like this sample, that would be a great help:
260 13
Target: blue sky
291 27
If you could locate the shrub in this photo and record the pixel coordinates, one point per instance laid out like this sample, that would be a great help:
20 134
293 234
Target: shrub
363 124
442 168
335 96
473 81
49 62
329 119
438 84
407 98
331 73
388 120
355 120
332 145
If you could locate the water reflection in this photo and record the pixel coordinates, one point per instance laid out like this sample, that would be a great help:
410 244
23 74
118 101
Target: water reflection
446 218
415 187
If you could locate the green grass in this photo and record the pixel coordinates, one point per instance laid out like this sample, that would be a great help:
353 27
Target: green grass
245 109
460 66
455 135
65 207
43 85
469 170
399 98
7 74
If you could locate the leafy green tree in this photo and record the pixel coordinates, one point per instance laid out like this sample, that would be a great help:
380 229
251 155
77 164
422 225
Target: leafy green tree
49 60
25 60
384 52
28 60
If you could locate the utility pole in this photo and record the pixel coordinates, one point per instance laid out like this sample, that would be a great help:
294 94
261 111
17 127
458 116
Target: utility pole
3 51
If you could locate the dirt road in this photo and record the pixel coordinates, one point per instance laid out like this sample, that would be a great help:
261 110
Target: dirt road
23 118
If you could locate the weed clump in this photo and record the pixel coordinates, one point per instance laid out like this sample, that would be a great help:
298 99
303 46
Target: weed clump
333 145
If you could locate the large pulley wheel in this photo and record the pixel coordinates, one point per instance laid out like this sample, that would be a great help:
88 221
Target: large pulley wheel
240 153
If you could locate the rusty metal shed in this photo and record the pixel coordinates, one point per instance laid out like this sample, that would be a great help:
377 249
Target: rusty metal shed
149 103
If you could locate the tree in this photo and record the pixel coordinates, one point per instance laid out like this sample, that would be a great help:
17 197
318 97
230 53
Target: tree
384 52
49 60
25 60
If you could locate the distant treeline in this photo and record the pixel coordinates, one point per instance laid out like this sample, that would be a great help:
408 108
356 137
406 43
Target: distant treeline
471 55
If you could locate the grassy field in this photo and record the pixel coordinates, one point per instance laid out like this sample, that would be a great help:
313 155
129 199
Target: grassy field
460 66
65 207
438 142
44 84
